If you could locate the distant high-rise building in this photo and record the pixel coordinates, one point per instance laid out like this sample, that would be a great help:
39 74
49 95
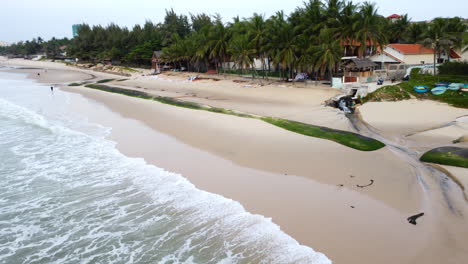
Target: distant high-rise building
75 29
4 44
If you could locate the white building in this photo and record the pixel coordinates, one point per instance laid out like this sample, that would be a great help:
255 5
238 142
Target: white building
411 54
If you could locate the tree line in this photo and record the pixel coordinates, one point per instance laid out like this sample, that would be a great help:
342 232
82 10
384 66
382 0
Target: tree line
313 38
51 48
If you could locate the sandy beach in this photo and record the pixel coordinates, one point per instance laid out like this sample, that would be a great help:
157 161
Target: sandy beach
308 186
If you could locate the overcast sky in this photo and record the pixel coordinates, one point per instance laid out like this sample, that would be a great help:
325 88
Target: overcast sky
25 19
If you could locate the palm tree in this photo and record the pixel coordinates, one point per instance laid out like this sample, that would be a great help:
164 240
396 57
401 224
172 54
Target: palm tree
217 45
397 30
368 28
282 46
327 52
332 12
443 35
415 32
242 52
258 35
346 20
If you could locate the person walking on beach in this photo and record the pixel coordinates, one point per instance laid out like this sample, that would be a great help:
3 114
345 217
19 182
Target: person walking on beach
52 89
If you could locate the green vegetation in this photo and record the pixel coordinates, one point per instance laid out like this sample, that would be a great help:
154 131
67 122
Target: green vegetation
447 156
387 93
111 89
75 84
404 90
164 100
105 80
53 48
349 139
64 62
308 40
311 39
454 68
128 69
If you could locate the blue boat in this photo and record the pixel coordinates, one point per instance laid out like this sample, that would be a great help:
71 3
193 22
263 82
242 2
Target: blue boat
421 89
442 84
438 90
455 86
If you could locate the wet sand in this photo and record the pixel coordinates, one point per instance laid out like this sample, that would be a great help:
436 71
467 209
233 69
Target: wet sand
294 179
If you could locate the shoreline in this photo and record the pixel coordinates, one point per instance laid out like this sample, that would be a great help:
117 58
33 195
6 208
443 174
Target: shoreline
244 145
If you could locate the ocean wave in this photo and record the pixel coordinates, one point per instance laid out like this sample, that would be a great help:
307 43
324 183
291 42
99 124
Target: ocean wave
68 197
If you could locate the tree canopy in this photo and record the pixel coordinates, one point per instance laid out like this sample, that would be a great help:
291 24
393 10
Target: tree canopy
312 38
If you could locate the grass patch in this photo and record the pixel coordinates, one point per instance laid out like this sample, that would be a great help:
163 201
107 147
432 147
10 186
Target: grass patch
346 138
387 93
128 69
453 98
75 84
121 80
164 100
447 156
349 139
403 90
105 80
64 62
127 92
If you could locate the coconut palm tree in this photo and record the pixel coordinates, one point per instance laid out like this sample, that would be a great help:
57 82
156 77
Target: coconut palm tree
369 28
257 32
282 46
397 29
327 52
242 52
415 32
443 35
346 19
217 44
331 12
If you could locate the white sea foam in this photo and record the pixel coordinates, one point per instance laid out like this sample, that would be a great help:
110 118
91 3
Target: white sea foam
68 197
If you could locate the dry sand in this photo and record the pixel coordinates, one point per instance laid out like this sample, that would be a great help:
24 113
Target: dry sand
298 102
421 125
294 179
410 117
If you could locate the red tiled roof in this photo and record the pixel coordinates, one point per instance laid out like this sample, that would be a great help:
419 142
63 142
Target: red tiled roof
394 16
393 57
411 48
454 55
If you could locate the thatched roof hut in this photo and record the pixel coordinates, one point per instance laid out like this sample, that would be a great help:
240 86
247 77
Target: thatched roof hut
359 65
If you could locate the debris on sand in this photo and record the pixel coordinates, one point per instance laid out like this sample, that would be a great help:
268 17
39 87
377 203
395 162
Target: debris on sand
412 219
362 186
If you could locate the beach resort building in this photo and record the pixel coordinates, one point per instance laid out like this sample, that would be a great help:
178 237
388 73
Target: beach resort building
357 68
411 54
394 17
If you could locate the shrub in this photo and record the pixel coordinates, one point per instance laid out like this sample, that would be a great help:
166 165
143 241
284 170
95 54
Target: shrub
454 68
